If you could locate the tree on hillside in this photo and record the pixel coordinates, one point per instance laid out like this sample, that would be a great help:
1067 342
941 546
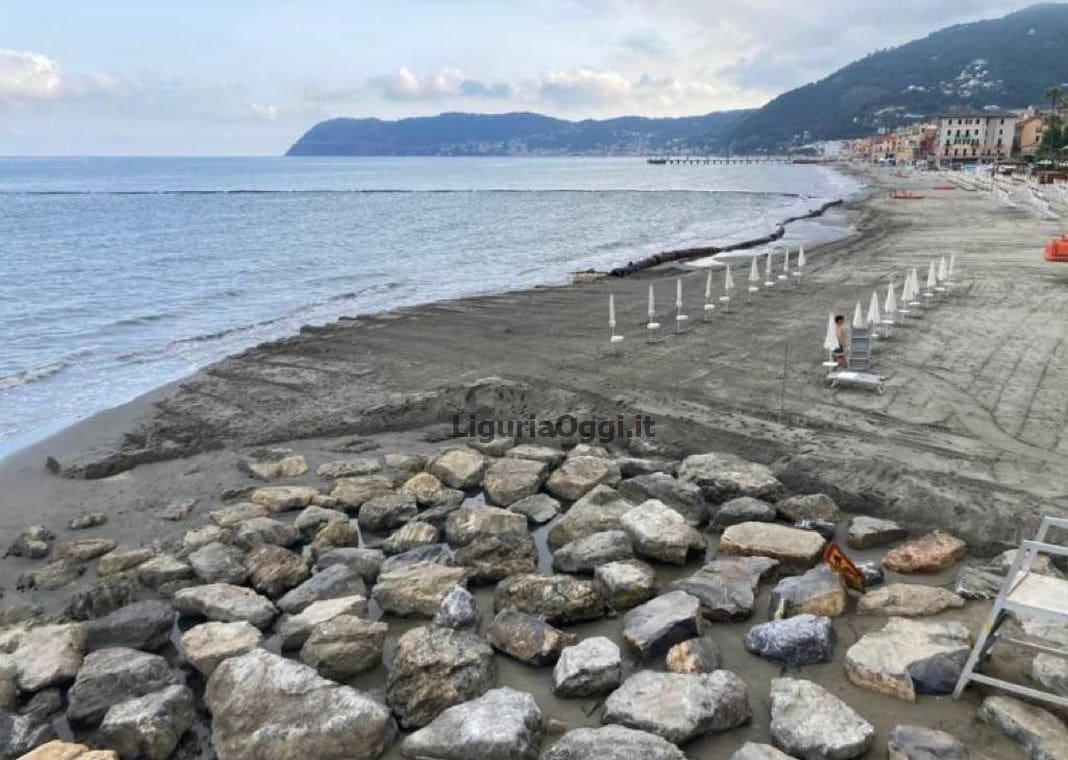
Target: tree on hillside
1055 137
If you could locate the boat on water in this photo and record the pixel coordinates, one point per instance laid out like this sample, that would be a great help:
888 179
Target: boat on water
656 160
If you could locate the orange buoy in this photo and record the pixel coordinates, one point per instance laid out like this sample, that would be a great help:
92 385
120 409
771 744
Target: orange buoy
1057 250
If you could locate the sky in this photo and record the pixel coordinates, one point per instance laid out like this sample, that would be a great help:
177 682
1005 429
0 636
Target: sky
126 77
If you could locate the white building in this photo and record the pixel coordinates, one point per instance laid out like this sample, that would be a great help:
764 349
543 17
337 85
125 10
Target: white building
969 135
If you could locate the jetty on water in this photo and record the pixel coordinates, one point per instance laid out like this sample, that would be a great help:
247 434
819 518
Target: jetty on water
733 160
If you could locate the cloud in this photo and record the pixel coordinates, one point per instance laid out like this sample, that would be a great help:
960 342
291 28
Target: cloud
585 87
266 111
648 43
445 82
25 75
473 88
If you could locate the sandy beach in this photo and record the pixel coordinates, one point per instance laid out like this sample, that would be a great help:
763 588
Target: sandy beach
971 435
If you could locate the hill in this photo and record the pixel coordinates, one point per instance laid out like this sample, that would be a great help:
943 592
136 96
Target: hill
466 134
1007 62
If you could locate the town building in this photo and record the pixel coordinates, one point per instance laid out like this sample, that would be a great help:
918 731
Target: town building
971 135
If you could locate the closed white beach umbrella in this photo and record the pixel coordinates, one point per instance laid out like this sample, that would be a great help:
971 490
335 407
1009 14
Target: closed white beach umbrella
767 265
858 317
830 341
786 262
906 288
890 305
914 284
931 278
800 256
652 303
874 317
943 271
754 270
728 281
708 285
612 311
952 264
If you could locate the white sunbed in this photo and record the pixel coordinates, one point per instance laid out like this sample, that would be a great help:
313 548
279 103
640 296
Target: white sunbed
854 377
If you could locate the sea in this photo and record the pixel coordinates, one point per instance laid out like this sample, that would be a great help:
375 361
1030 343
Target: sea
118 275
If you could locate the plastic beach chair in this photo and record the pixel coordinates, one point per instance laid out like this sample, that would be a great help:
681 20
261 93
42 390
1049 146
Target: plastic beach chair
859 356
876 383
652 332
726 301
888 327
709 312
1028 594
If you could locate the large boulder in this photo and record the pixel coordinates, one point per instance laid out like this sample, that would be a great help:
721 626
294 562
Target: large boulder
928 554
591 667
412 536
585 555
460 468
679 707
283 498
656 626
269 464
508 480
226 604
921 743
388 511
149 727
329 583
313 518
909 657
458 610
273 570
1052 672
527 638
208 644
796 641
435 668
796 549
538 453
263 705
661 533
229 516
1042 734
811 723
364 561
696 655
597 511
416 590
681 495
726 476
423 488
123 558
538 509
293 630
740 510
556 598
578 475
908 600
440 554
612 743
344 646
624 584
502 724
110 676
348 468
753 751
470 523
351 493
219 563
141 625
726 586
266 530
50 655
818 592
19 734
868 532
492 558
60 750
813 506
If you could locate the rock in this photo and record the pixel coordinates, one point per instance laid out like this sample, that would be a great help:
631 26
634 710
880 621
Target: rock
872 572
726 476
208 644
811 723
441 554
110 676
336 534
435 668
43 706
930 553
177 510
264 706
795 549
726 586
194 539
141 625
679 706
502 724
460 468
920 743
1040 732
411 536
626 584
219 563
313 518
680 495
495 447
274 571
537 453
9 687
50 655
984 582
331 582
265 530
83 550
740 510
506 481
1052 672
348 468
163 569
269 464
122 559
538 509
908 600
597 511
612 743
591 667
351 493
813 506
417 590
697 655
556 598
633 466
52 576
825 528
490 559
233 515
403 462
909 657
588 450
58 750
364 561
659 532
149 727
344 646
818 592
578 475
387 511
19 735
87 520
801 640
422 488
752 751
284 498
293 630
867 532
656 626
584 555
103 596
226 604
457 610
469 523
527 638
32 543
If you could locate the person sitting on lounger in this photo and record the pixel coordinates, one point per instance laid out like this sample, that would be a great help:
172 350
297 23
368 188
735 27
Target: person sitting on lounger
839 330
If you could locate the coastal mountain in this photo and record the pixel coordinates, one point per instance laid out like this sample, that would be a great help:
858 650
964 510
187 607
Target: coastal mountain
468 134
1005 63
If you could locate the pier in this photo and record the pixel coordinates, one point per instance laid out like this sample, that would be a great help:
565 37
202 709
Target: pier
733 160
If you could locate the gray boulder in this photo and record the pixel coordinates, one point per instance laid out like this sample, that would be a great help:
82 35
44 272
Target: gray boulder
597 511
752 751
538 453
387 511
538 509
49 655
19 734
293 630
555 598
273 570
726 586
740 510
681 495
527 638
460 468
110 676
797 550
163 570
492 558
796 641
470 523
416 590
344 646
811 723
313 518
818 592
612 743
659 532
585 555
364 561
697 655
219 563
208 644
1052 672
508 480
1041 733
591 667
726 476
458 610
329 583
656 626
624 584
579 475
226 604
266 530
141 625
502 724
149 727
867 532
440 554
921 743
813 506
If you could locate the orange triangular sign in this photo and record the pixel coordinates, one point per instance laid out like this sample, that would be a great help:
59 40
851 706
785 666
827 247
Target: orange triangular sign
843 565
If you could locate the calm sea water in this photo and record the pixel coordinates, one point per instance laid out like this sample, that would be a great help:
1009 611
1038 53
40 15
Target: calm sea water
121 274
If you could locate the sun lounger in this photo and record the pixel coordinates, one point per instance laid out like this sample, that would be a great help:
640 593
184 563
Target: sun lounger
859 356
862 379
